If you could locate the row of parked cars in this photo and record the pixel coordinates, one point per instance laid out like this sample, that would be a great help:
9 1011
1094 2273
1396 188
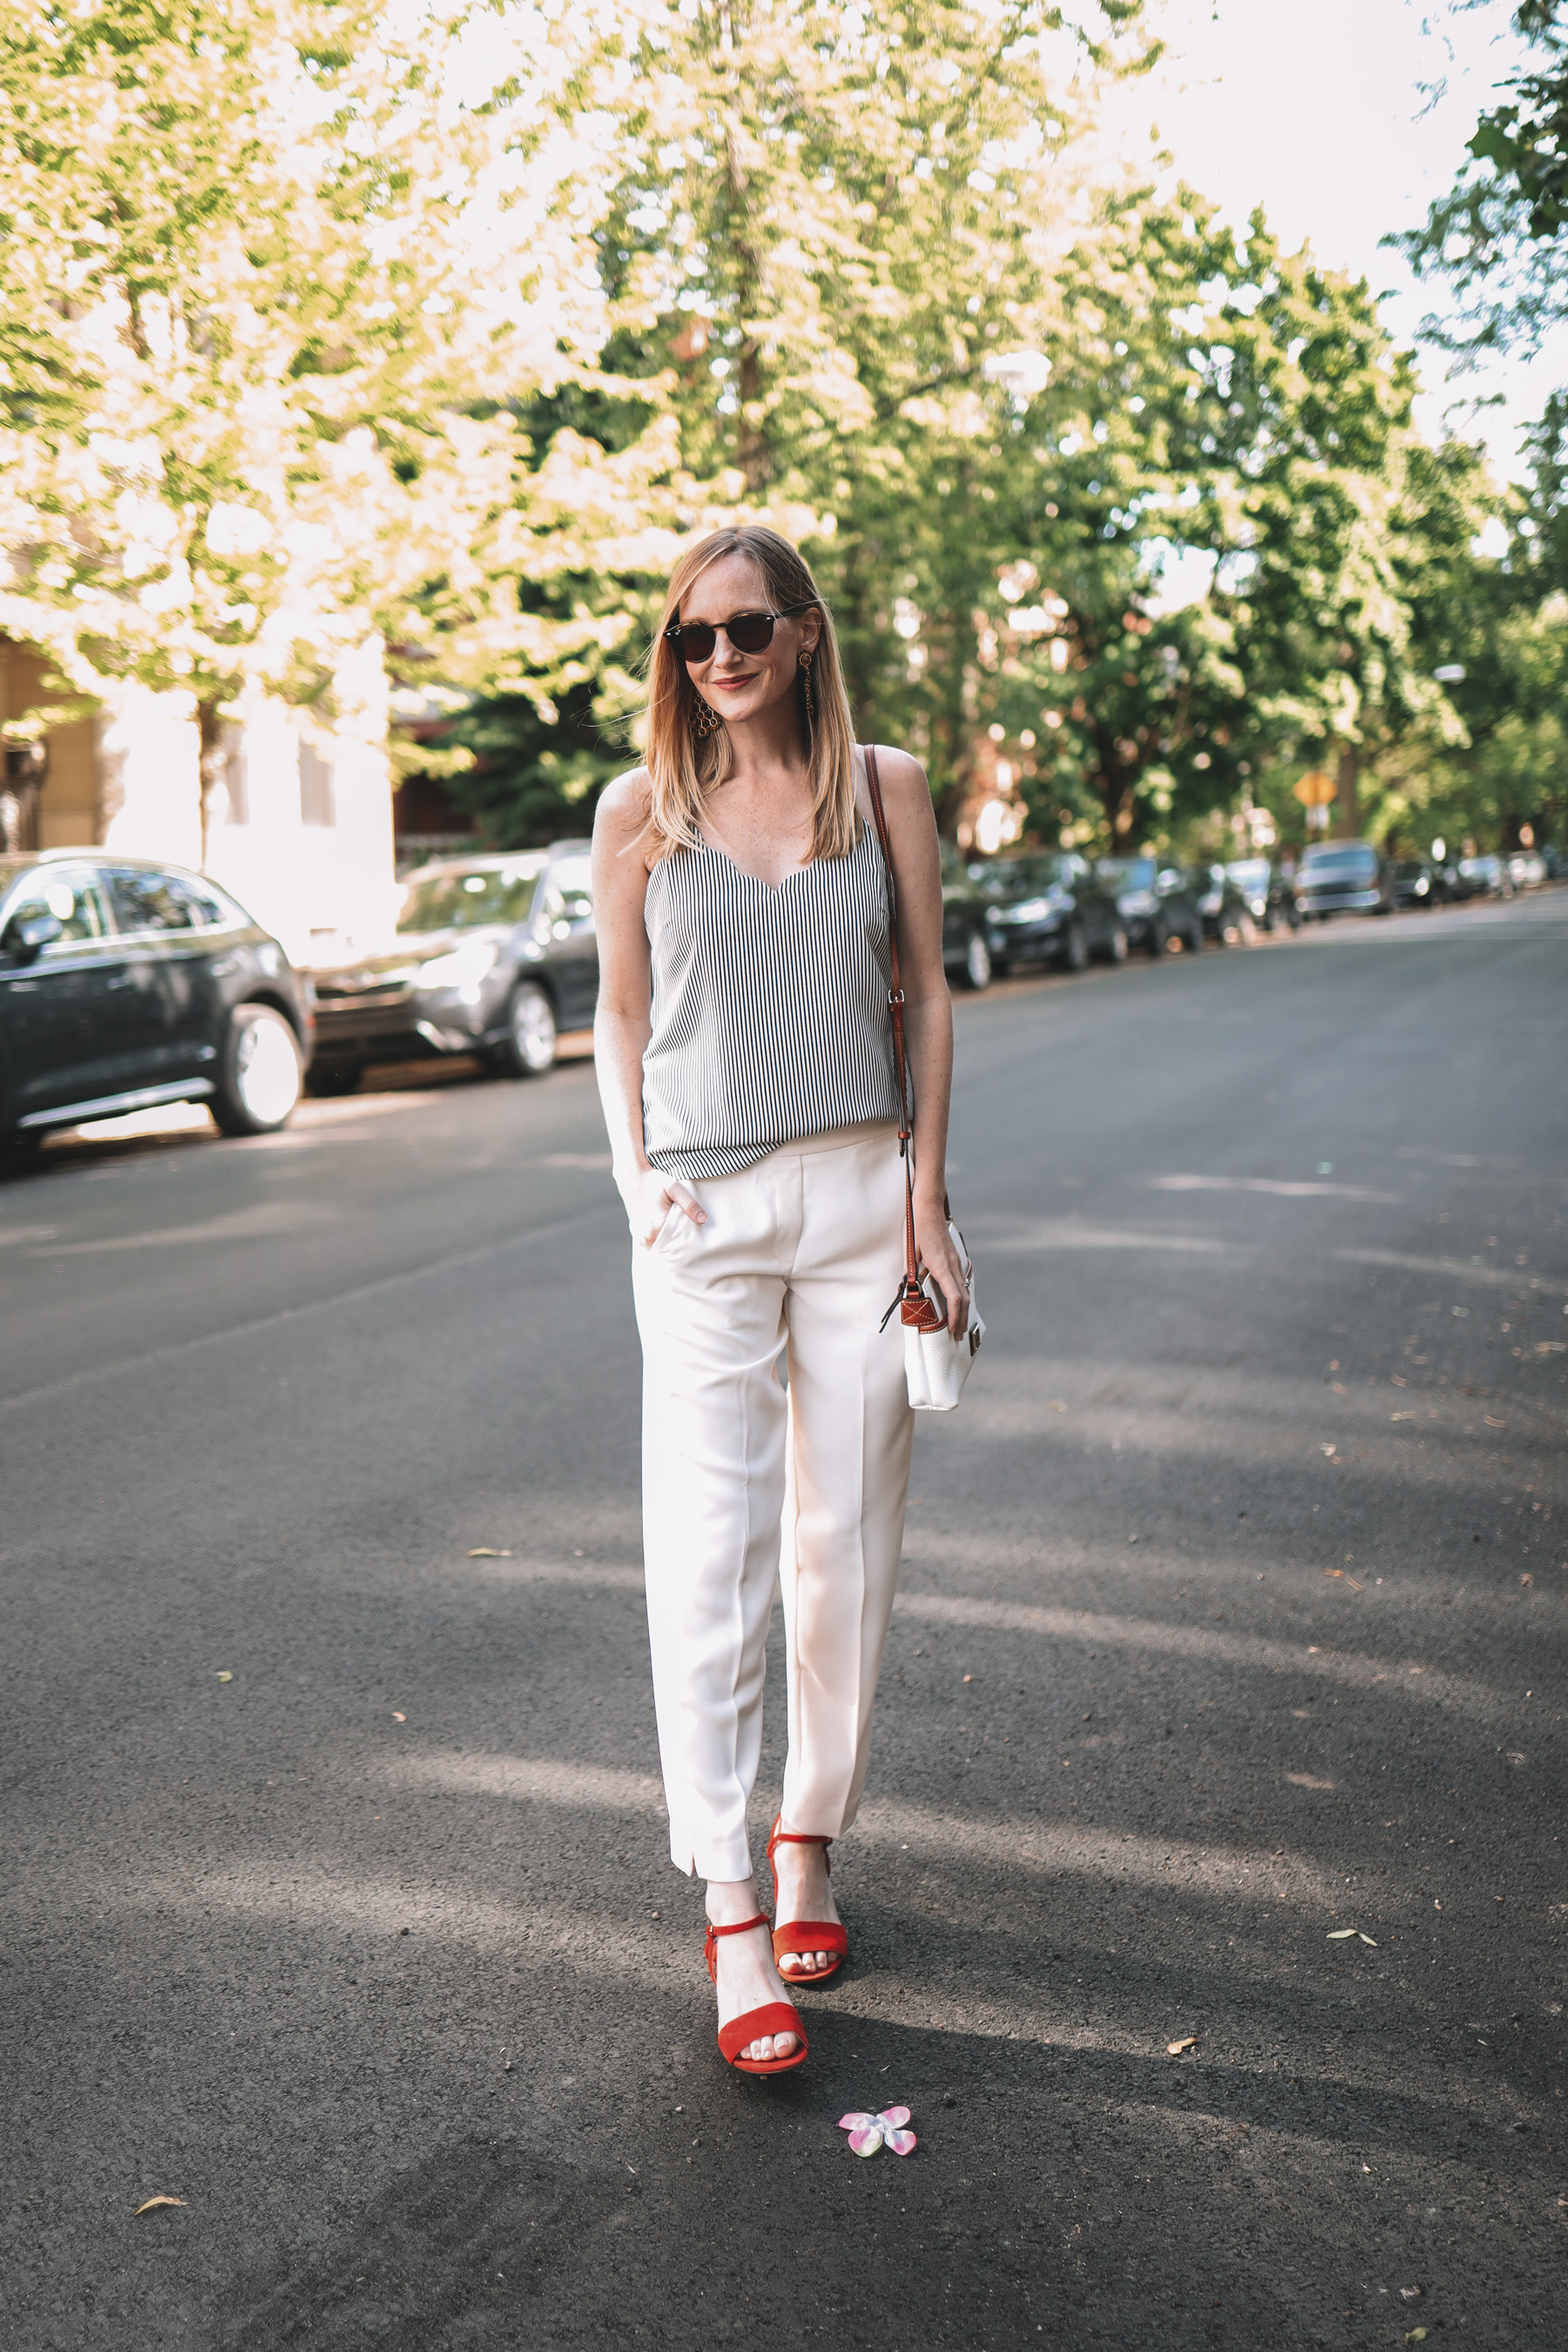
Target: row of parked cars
126 983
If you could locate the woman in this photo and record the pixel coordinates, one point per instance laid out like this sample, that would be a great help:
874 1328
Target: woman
746 1063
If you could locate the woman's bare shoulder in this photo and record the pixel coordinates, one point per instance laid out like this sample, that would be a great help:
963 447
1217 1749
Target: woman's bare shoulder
902 777
624 803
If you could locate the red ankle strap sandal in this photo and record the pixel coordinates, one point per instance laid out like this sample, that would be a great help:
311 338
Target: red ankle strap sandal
775 2017
800 1935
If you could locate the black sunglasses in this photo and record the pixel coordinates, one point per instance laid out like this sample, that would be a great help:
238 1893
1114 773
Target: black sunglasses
747 632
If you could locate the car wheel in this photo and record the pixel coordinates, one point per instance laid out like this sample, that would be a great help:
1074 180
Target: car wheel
1075 949
1247 930
529 1049
1116 945
261 1073
333 1077
977 961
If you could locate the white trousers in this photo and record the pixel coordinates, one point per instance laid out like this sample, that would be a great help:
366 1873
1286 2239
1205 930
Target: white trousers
802 1252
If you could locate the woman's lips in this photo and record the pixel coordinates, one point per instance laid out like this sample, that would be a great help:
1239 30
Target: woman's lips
735 681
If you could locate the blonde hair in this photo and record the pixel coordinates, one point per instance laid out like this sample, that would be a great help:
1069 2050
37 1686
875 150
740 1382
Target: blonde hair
684 767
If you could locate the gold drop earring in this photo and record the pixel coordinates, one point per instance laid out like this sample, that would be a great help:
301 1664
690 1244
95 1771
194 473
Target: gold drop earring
810 698
705 719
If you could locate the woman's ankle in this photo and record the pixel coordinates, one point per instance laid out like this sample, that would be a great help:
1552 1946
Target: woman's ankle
729 1901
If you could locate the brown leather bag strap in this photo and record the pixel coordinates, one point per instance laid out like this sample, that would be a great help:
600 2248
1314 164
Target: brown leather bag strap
911 1282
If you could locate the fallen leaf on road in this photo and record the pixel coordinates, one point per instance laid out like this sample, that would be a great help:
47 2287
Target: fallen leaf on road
1338 1935
1415 2336
398 1718
1409 2295
487 1551
1326 1449
1366 1939
225 1677
1349 1580
1494 1424
1175 2049
1307 1780
1401 1416
153 2205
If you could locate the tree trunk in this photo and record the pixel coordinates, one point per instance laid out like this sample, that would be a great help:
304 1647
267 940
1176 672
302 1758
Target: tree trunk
1349 809
212 763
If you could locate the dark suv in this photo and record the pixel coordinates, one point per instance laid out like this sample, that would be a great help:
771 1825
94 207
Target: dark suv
1343 877
1048 907
493 955
1157 903
965 950
125 984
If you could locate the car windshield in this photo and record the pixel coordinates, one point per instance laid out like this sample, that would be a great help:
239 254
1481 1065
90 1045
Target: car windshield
458 897
1333 864
1252 873
1128 872
1012 876
1408 868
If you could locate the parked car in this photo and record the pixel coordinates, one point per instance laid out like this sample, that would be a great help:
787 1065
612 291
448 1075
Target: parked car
1557 865
1044 908
965 946
1413 883
1526 869
1343 877
1156 904
492 955
1485 878
1223 907
124 983
1270 897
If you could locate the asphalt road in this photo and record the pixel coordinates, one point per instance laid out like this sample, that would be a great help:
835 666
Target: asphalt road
335 1898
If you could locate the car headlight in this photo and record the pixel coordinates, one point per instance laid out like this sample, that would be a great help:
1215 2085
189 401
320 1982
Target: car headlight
1032 910
462 967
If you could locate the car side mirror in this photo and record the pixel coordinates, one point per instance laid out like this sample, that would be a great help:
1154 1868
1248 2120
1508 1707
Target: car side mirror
29 934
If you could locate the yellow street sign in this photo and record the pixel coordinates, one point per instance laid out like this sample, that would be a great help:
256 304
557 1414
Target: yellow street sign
1316 789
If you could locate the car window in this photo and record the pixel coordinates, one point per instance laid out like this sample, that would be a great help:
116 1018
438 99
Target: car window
75 900
455 897
148 901
1128 872
571 897
567 911
1347 862
210 911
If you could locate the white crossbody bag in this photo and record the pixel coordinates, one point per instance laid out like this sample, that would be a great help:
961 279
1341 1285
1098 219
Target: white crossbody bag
936 1365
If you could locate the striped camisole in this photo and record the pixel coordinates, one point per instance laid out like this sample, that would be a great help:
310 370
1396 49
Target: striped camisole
769 1007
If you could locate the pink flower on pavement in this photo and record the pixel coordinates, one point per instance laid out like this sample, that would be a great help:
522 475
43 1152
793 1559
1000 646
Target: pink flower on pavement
869 2133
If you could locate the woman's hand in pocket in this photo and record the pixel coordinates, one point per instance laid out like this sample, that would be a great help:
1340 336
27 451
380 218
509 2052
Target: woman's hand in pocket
650 1200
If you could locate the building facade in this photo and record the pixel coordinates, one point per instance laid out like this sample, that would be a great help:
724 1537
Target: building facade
298 826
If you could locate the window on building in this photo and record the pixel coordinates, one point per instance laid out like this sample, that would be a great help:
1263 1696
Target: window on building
317 793
236 776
